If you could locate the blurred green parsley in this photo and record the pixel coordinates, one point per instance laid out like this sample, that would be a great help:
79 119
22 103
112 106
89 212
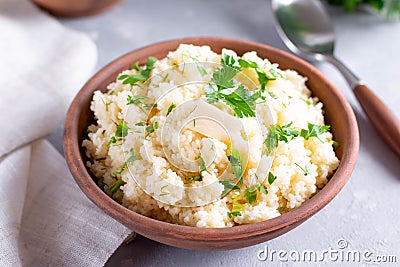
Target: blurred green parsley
391 8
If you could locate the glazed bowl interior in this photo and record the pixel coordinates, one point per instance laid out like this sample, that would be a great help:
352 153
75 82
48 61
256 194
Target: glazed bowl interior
338 114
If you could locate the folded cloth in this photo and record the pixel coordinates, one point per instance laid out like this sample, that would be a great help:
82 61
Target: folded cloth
45 220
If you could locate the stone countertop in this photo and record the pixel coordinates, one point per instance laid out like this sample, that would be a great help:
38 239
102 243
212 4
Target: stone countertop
364 216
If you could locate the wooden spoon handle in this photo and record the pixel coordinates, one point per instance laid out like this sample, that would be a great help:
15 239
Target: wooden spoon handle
380 116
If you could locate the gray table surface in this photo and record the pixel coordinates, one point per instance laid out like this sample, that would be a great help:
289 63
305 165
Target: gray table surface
365 214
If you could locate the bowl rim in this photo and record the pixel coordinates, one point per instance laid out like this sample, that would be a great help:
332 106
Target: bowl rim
126 216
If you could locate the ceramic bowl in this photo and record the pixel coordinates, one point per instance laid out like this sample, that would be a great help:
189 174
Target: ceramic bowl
338 114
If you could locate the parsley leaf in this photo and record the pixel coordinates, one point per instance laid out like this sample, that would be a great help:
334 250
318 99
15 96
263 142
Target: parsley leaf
113 140
286 133
223 77
152 127
271 177
144 74
236 163
244 63
264 189
234 213
136 100
194 178
132 157
163 192
212 95
229 186
305 170
132 79
122 130
272 95
251 193
229 60
241 101
170 108
271 141
202 165
314 131
115 186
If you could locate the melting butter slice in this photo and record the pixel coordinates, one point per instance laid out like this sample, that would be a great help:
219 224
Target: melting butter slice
212 122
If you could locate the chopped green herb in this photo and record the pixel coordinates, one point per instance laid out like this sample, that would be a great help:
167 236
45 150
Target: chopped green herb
264 189
120 170
100 183
202 70
115 186
334 143
137 100
170 108
233 214
132 79
251 193
240 100
308 102
244 63
100 159
314 131
152 127
223 77
202 165
113 140
229 60
163 192
122 130
142 123
236 163
165 77
279 208
286 133
271 177
106 103
262 79
140 102
305 170
199 67
271 141
194 123
271 94
229 186
132 157
194 178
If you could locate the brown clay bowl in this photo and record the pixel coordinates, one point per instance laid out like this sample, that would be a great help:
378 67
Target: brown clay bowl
338 114
76 8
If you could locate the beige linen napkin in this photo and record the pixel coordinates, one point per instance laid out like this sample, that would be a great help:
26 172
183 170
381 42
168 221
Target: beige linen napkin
45 220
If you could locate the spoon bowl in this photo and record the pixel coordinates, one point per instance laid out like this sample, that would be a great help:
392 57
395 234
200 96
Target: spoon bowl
306 29
311 36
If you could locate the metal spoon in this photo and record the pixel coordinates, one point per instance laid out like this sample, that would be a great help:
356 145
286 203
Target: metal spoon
306 29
